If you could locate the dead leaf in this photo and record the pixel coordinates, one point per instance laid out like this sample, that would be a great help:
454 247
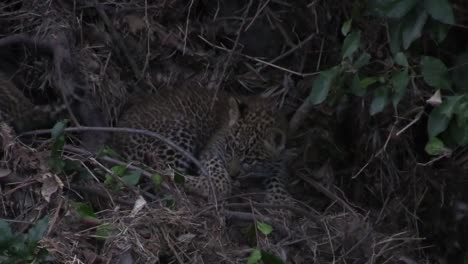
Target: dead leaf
135 23
186 238
436 99
139 204
50 185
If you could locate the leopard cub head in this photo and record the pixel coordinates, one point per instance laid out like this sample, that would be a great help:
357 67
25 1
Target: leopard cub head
259 138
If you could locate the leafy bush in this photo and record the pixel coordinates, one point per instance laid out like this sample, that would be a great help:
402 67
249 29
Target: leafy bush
407 21
22 248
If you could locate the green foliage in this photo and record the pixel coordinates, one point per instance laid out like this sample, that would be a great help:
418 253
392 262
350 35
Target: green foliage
380 100
84 211
169 201
58 129
440 10
56 162
412 27
409 18
157 181
23 248
323 84
346 27
400 59
359 87
254 257
178 178
459 73
351 44
128 178
264 228
435 73
88 216
269 258
258 255
108 151
435 146
362 61
440 117
132 178
399 82
394 8
407 21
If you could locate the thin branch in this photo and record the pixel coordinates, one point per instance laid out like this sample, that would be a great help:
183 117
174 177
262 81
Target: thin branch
259 60
126 130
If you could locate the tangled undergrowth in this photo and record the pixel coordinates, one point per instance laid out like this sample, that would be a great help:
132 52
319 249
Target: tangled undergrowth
375 92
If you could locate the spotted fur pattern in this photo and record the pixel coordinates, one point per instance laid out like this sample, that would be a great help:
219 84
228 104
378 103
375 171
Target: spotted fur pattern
226 134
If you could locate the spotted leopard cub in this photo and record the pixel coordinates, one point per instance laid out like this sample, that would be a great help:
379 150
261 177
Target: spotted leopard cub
229 135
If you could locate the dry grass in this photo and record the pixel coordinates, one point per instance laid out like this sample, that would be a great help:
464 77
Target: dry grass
372 202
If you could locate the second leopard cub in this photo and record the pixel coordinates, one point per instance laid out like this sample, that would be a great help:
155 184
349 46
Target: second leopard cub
228 134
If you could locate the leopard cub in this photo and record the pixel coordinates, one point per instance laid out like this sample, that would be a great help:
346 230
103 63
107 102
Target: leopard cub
228 134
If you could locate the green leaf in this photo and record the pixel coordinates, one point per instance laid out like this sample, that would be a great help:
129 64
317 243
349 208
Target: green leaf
157 180
395 37
58 129
439 31
38 230
363 60
266 229
268 258
400 59
169 201
57 147
440 116
132 178
399 83
366 82
359 87
380 100
450 105
459 133
322 85
435 146
351 44
437 123
346 27
397 8
440 10
411 28
462 112
109 181
119 170
435 73
108 151
5 234
459 73
356 87
254 257
179 178
84 210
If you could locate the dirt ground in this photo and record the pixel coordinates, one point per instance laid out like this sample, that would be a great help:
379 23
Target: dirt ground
366 190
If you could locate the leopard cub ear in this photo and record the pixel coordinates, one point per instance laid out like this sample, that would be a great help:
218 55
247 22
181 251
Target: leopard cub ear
234 113
275 140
